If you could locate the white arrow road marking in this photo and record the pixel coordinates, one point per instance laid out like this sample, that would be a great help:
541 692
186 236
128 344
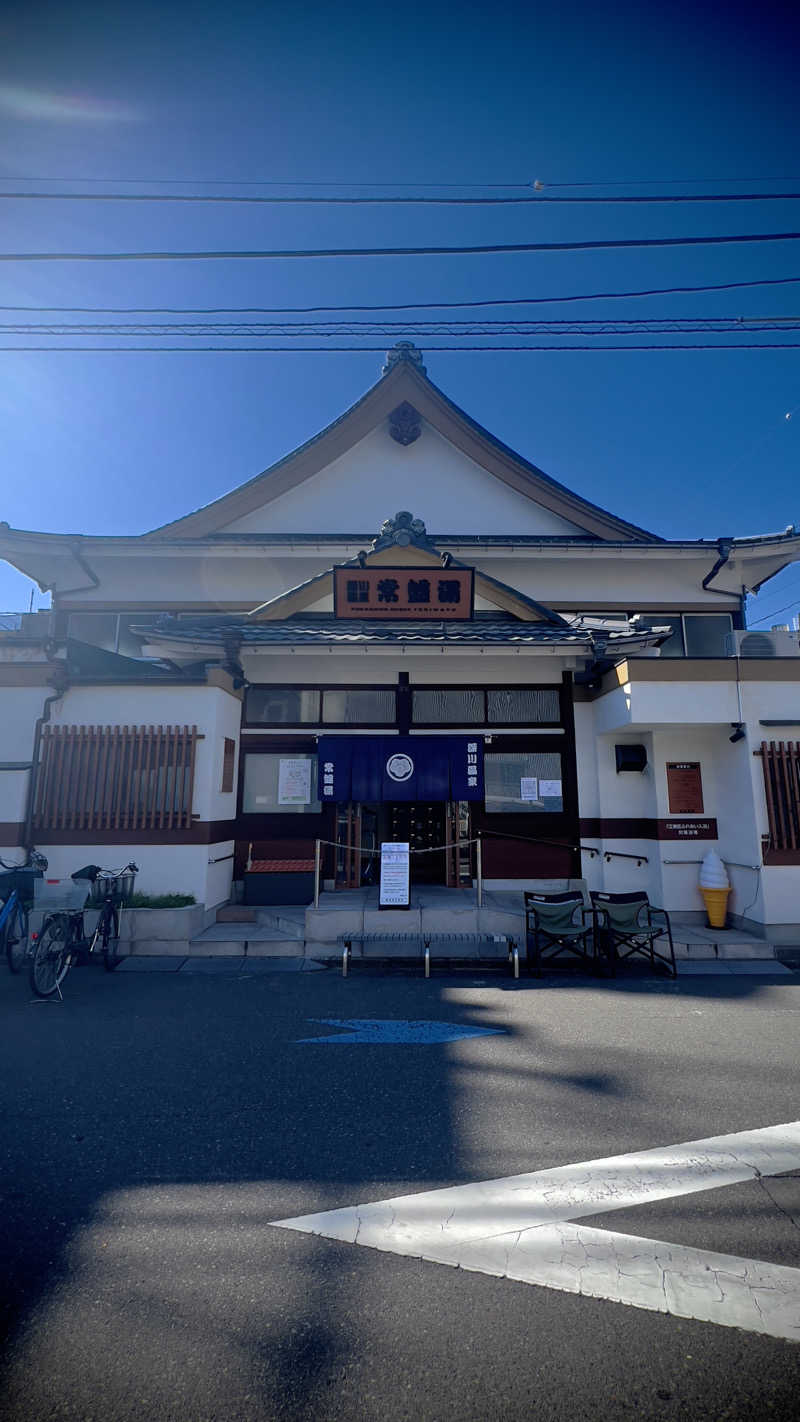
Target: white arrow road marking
519 1228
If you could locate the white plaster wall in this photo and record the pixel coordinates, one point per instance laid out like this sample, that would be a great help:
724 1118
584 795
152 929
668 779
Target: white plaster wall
377 668
247 576
378 476
19 708
163 869
629 795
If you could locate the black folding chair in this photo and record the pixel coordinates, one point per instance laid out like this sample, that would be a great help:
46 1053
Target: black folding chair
557 924
628 925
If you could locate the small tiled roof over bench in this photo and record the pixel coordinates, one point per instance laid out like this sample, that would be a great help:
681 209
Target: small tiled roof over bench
281 866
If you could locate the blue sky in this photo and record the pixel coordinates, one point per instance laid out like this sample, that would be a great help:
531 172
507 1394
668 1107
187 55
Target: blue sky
690 444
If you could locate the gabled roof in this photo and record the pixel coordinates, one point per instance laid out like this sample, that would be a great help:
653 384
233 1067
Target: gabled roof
403 541
404 383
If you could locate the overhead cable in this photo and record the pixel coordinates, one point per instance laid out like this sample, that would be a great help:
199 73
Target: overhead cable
310 350
396 199
408 305
481 249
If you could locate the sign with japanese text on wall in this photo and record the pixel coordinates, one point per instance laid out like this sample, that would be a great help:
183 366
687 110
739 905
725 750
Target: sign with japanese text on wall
685 787
421 593
687 829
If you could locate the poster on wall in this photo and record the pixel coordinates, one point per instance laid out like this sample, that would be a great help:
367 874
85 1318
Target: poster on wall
529 787
294 782
685 787
395 875
550 789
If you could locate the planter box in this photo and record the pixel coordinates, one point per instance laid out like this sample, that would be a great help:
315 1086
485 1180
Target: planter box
147 925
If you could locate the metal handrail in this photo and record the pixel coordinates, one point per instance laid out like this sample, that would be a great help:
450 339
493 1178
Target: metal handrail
562 844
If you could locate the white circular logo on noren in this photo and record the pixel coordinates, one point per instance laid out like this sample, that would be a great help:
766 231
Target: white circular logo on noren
399 767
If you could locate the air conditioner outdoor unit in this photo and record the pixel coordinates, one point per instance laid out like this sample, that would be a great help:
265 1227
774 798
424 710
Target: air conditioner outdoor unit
757 643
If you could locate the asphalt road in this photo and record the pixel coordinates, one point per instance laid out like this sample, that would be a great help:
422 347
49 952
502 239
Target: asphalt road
153 1125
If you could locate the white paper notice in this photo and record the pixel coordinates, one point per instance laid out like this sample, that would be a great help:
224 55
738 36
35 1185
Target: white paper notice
395 876
529 787
550 789
294 782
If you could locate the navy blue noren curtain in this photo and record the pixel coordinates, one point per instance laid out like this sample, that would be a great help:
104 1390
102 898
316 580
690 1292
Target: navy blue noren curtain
414 768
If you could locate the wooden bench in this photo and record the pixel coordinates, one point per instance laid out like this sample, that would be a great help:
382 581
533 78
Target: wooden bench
424 940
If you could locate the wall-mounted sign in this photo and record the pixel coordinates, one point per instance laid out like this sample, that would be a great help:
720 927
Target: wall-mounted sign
395 876
419 593
687 829
684 787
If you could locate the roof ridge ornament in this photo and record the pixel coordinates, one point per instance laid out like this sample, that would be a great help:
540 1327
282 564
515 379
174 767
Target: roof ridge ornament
405 423
403 351
401 531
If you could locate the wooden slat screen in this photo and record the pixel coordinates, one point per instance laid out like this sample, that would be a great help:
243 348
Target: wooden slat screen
115 778
781 765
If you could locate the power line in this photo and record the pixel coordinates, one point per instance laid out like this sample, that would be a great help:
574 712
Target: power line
787 608
609 244
292 183
390 330
398 199
352 183
311 350
405 306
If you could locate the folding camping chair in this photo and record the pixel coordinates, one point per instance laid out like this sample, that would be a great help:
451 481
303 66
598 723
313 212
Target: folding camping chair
628 924
556 924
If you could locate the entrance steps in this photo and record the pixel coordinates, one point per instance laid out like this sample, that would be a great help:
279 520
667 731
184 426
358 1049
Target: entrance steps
254 933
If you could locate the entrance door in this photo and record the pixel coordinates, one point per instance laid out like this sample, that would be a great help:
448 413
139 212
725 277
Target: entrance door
438 835
422 827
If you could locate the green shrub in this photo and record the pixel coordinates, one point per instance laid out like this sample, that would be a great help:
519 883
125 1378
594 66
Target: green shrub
160 900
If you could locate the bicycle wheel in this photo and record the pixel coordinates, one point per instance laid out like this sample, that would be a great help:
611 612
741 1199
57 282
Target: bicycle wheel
111 953
15 937
50 959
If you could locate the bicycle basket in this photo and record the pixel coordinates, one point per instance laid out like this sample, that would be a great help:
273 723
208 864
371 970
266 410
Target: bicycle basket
120 886
21 879
63 894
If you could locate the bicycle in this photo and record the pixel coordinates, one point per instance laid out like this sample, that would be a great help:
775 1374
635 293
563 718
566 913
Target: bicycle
16 891
61 939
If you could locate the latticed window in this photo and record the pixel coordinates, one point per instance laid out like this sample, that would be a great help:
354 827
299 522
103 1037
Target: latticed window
781 764
115 777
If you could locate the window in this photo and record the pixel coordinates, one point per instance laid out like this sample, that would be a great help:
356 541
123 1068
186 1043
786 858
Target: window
523 782
523 706
494 706
282 706
673 647
228 761
706 636
99 629
449 705
371 706
276 784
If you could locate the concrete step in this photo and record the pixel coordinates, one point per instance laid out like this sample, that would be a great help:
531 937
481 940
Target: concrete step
236 913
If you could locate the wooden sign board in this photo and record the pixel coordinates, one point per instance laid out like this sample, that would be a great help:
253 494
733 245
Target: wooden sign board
684 787
395 876
423 594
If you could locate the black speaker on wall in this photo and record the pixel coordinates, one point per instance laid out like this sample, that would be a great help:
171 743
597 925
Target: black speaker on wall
630 757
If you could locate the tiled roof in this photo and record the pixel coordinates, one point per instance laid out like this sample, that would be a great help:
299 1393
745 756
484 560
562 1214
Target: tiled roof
338 632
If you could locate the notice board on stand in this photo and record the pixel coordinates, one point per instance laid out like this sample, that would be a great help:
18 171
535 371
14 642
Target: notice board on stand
685 787
395 876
